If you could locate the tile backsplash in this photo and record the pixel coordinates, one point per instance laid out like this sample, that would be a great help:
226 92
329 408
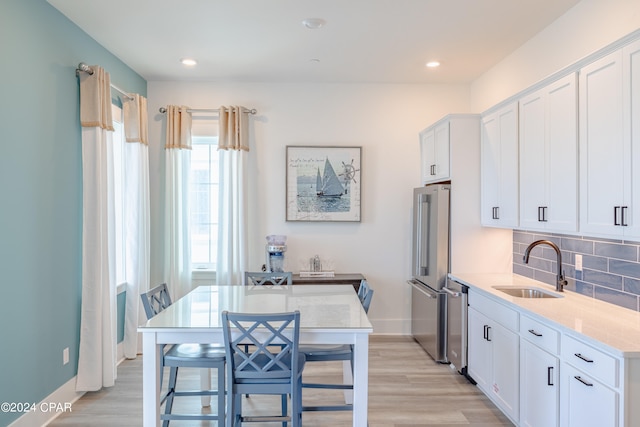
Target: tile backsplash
610 268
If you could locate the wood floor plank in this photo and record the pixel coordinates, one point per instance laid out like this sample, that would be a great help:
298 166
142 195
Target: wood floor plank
406 389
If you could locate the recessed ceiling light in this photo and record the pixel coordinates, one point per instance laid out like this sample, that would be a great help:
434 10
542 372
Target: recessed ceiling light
313 23
433 64
188 62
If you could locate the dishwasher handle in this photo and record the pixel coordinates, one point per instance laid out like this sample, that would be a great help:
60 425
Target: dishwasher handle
451 292
422 289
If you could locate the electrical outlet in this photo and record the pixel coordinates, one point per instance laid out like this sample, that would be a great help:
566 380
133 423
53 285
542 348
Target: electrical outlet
65 356
578 262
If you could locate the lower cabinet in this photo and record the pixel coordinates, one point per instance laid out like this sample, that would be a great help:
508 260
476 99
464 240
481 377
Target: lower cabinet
539 397
586 401
493 360
540 375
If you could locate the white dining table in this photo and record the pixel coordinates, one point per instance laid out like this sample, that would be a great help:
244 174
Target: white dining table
329 314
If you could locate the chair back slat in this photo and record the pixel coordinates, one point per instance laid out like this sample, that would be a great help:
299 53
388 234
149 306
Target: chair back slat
260 278
155 300
366 300
261 346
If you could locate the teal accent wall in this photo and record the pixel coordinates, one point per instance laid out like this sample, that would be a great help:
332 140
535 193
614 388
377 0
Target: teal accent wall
41 194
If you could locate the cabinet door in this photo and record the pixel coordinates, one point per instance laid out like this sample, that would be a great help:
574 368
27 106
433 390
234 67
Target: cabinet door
499 168
539 399
506 361
561 128
441 152
602 154
434 152
533 165
549 157
479 358
427 156
587 403
631 75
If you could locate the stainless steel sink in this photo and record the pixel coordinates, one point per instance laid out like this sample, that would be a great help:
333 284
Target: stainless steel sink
521 292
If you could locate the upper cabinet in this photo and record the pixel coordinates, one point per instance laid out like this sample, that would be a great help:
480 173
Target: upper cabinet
609 144
435 153
548 157
499 167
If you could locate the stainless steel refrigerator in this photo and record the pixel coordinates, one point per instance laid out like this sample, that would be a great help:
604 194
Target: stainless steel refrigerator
430 266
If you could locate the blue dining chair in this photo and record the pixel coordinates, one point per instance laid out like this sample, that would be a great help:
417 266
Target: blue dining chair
209 356
274 278
271 364
329 353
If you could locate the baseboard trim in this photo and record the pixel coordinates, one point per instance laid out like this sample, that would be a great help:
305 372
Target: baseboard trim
58 402
53 405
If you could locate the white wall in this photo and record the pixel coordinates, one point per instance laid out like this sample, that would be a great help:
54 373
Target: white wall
584 29
383 119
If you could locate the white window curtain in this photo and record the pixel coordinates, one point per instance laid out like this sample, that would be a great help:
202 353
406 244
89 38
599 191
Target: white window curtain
97 355
137 218
177 233
232 204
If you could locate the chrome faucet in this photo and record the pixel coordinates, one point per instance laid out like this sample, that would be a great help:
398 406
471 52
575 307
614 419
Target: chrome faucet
560 281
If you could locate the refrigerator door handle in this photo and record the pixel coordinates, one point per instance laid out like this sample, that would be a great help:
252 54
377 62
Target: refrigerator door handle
422 250
423 289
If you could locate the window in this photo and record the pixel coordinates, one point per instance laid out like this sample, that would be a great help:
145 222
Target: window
203 201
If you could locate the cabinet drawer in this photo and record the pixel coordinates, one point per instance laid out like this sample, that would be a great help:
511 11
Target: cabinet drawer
494 310
540 334
590 360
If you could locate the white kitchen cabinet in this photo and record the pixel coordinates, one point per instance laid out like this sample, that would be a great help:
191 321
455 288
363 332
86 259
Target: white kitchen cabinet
586 401
539 374
435 153
609 144
493 352
499 167
591 380
548 154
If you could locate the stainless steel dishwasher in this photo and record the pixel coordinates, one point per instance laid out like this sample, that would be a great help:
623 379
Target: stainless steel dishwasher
457 305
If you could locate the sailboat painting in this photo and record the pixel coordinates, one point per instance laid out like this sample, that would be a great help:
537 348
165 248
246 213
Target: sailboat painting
323 183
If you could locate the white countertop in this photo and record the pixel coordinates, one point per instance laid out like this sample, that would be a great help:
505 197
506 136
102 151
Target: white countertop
605 324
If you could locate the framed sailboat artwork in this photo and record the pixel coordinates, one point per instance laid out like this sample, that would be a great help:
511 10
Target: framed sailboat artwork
323 183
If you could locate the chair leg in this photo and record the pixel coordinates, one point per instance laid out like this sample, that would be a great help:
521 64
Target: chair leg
283 405
171 389
221 396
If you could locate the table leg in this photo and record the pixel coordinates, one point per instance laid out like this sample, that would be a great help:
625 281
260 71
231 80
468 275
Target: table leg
150 380
205 384
360 380
347 378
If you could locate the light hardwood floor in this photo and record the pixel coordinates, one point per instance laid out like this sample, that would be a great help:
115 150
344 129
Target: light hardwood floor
406 389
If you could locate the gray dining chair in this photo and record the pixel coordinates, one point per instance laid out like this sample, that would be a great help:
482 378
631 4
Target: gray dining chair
329 353
210 356
272 363
274 278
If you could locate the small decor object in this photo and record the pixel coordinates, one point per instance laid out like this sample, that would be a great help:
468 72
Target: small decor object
323 183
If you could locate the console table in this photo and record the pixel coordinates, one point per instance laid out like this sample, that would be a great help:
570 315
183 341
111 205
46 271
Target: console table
353 279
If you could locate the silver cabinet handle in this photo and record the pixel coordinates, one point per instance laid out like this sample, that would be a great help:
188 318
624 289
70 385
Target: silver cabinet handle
533 332
550 375
587 383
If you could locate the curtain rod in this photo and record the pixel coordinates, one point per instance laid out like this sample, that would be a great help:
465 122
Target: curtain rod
87 69
210 110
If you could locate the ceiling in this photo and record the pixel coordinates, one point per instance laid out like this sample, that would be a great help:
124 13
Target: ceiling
364 41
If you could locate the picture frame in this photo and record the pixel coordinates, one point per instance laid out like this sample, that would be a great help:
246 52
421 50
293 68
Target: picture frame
323 183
